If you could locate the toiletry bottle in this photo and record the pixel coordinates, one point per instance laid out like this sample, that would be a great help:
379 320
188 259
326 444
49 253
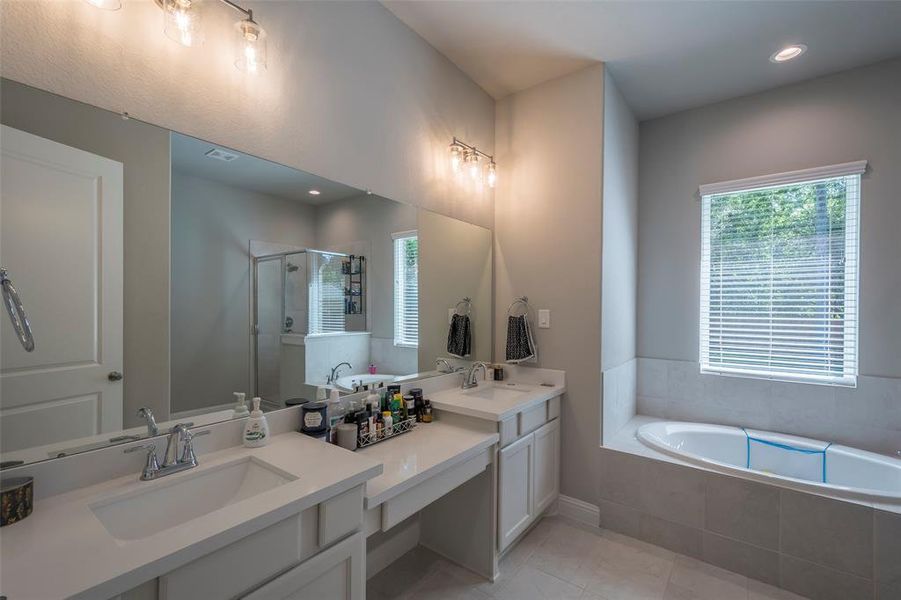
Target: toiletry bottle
427 411
371 369
388 423
335 415
240 410
256 431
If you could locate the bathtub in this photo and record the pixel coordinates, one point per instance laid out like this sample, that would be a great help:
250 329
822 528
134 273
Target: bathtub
348 382
791 461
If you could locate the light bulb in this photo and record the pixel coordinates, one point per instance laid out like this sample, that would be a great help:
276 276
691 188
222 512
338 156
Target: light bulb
250 55
181 22
106 4
472 160
456 157
492 174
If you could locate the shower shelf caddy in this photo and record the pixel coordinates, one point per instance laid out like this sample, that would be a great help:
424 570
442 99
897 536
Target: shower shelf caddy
364 440
354 270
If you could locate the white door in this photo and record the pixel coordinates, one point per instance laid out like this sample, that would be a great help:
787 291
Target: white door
61 241
547 465
514 490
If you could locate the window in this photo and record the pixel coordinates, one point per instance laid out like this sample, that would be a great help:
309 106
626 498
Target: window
779 276
326 293
406 289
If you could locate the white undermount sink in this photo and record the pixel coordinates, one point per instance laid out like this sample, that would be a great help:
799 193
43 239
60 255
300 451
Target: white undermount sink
165 504
498 392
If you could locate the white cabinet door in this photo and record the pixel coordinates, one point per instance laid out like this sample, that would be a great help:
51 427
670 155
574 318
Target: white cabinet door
547 465
514 490
339 573
61 239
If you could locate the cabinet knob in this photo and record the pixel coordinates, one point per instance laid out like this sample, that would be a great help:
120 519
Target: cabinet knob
114 376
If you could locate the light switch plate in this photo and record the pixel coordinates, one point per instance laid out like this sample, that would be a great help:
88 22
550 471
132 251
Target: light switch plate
544 318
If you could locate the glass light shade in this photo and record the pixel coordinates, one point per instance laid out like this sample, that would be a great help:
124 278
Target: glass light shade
456 157
250 51
472 162
106 4
492 174
182 22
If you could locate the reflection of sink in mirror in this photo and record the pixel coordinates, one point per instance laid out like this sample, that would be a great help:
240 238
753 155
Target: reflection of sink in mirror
162 505
347 383
497 392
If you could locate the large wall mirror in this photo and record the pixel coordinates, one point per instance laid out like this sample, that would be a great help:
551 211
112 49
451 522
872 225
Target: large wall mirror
161 274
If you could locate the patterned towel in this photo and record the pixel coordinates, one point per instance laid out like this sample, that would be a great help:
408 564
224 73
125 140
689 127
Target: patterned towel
459 336
520 343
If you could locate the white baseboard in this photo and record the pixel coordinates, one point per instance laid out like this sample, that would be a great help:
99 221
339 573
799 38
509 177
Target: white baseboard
577 510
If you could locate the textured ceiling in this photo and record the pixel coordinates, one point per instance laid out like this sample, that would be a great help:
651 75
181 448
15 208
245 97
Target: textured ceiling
664 56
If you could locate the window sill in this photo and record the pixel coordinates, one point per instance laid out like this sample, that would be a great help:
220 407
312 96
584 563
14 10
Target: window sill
405 345
849 382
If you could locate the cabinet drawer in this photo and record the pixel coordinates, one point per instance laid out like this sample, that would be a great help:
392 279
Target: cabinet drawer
553 408
339 573
340 515
532 418
231 570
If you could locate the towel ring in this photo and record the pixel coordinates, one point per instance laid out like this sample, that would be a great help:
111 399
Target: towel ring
521 302
467 304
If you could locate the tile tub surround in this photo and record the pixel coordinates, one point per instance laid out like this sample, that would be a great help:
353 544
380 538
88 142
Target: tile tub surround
866 417
619 399
808 544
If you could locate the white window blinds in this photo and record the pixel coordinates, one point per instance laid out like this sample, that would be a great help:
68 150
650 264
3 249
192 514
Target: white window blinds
406 289
779 276
326 293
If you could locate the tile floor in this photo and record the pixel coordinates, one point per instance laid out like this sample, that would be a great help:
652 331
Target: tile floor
563 560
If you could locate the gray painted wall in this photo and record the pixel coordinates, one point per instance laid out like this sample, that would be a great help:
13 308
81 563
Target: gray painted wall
619 288
351 93
848 116
548 246
619 261
212 225
144 151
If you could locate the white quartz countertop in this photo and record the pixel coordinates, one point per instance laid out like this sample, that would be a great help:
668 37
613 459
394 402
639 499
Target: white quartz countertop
62 550
496 400
424 452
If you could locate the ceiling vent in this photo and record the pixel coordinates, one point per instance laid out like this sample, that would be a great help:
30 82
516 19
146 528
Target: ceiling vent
220 154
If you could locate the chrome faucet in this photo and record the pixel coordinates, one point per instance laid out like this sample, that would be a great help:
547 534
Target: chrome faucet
450 368
147 414
470 381
181 447
334 376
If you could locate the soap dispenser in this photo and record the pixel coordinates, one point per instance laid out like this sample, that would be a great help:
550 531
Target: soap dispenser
256 430
240 410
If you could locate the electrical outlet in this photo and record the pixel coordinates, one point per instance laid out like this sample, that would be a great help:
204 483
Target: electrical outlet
544 318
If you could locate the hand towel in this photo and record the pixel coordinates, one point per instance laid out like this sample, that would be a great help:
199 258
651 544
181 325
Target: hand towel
520 342
459 336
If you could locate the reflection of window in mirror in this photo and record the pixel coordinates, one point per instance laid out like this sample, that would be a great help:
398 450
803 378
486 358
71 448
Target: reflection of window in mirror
406 289
326 293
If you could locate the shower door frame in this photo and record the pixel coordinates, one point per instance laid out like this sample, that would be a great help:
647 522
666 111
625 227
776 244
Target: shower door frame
282 257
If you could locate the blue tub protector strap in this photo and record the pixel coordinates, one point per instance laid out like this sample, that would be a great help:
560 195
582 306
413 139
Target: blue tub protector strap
781 446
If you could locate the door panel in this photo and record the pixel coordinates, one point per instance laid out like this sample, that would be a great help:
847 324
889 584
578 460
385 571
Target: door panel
61 240
515 507
547 465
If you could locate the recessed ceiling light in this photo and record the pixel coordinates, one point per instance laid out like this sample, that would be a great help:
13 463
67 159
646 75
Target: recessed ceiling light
788 53
314 192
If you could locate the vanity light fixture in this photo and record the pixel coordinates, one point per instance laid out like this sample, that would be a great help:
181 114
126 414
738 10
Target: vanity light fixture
462 155
788 53
182 20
